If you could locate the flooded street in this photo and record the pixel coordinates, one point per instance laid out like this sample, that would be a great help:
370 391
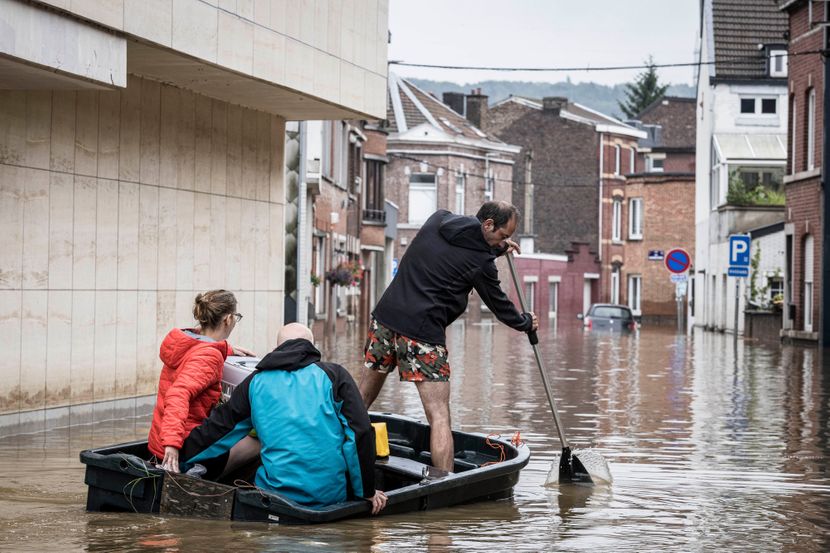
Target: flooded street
708 451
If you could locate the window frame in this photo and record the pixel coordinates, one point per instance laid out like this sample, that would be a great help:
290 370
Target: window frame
635 291
635 215
810 158
616 220
423 187
776 56
617 160
460 191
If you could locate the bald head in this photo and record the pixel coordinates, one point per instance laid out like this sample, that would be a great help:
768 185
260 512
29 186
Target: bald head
293 331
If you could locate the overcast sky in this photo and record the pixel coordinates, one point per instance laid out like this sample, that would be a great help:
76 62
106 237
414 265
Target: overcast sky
543 33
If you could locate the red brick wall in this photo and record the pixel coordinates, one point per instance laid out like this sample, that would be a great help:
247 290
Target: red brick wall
572 277
804 196
667 218
565 172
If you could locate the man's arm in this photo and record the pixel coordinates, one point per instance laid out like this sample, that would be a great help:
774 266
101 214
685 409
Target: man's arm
227 424
359 448
488 286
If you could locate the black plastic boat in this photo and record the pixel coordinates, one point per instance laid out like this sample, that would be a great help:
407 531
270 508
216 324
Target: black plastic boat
120 478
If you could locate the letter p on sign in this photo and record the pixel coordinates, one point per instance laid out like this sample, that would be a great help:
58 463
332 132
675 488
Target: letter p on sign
739 250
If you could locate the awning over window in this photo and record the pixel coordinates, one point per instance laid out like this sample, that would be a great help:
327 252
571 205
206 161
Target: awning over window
770 147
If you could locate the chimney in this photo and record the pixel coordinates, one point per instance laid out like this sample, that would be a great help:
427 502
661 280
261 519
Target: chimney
455 100
477 108
554 104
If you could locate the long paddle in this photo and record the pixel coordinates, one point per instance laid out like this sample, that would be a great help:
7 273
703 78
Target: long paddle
571 469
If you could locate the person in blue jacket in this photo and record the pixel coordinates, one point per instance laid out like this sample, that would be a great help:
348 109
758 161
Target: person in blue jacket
316 440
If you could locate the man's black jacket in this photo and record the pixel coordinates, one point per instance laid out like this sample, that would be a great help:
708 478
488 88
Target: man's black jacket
443 263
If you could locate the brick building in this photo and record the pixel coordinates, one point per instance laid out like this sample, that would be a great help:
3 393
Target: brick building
440 160
655 208
571 157
803 224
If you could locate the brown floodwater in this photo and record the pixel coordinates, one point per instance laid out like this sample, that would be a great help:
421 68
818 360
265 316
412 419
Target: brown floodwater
709 450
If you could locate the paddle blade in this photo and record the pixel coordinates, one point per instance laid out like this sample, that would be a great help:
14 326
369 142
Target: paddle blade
571 469
579 467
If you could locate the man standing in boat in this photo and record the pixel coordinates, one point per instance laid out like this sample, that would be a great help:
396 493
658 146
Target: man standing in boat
449 257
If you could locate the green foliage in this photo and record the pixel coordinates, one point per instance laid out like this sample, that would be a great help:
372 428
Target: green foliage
645 90
739 194
757 294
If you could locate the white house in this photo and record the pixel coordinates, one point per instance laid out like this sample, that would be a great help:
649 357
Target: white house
741 144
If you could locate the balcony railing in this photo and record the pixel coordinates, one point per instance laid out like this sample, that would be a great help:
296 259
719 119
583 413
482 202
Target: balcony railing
374 216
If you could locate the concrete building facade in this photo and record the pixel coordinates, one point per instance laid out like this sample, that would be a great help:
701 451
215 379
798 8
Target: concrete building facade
141 161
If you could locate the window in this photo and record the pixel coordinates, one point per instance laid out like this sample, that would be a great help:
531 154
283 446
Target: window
616 220
615 285
459 193
714 179
553 298
373 195
776 287
422 197
811 129
489 186
631 159
617 159
793 137
635 219
530 294
635 290
655 163
770 177
763 106
778 63
808 283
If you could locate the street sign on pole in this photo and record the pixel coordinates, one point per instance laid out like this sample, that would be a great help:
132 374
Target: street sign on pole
739 251
678 261
739 246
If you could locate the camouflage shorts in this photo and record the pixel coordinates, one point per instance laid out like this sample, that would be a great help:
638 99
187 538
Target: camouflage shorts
416 361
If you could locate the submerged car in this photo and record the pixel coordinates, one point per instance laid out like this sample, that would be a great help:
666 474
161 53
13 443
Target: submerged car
608 316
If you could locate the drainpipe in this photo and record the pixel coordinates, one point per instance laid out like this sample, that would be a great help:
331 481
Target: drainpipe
601 168
303 234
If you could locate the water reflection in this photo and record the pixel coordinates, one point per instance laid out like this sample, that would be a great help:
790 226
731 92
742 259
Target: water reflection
710 448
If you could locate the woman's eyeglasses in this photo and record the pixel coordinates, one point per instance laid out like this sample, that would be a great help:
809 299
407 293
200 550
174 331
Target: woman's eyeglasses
237 316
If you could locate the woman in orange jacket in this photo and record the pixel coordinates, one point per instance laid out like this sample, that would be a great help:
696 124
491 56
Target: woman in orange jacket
190 382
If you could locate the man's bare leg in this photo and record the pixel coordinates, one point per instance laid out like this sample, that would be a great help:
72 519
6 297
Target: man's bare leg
371 382
435 397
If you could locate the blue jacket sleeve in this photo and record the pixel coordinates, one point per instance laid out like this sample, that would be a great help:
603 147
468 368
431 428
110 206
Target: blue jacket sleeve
227 424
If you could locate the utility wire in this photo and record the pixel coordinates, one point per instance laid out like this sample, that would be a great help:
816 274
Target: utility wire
592 185
741 60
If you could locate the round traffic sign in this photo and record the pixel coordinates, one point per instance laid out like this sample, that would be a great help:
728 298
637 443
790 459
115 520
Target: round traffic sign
678 261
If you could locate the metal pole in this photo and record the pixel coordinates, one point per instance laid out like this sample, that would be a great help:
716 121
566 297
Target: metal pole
536 354
737 304
679 301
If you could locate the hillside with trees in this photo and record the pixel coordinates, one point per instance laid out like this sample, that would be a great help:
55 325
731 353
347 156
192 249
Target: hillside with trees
603 98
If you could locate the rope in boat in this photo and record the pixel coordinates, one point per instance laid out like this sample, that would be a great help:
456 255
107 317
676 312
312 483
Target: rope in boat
516 440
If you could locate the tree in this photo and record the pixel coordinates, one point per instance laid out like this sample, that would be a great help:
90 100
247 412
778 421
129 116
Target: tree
643 91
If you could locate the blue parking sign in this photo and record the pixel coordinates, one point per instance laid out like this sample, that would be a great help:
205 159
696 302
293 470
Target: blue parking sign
739 250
